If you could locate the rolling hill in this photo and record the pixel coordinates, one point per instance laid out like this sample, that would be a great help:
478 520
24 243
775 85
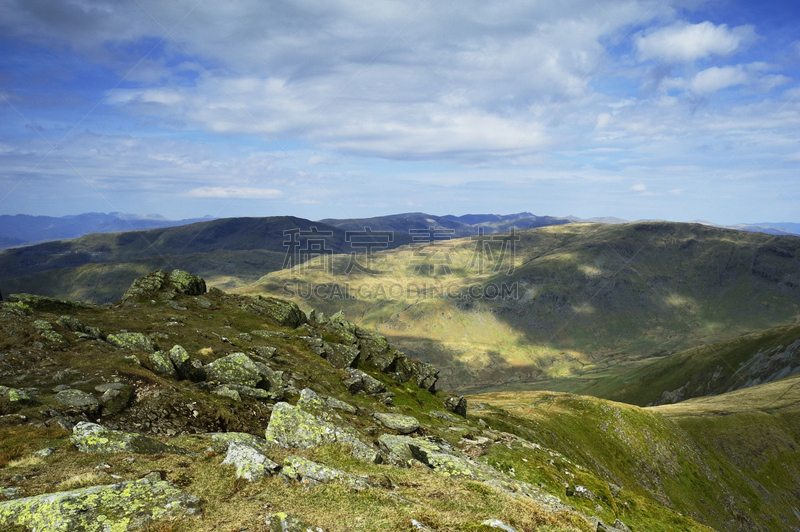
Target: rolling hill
581 298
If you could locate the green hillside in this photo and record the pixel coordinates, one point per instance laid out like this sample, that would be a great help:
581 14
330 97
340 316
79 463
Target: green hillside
181 410
582 301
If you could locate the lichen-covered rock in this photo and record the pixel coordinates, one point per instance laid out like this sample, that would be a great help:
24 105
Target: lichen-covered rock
226 391
46 303
186 283
15 309
15 396
53 337
424 375
127 506
115 398
250 463
340 405
293 428
222 440
368 383
170 284
135 341
397 450
457 405
311 473
78 399
341 356
256 393
181 360
162 365
272 380
42 325
77 326
236 368
283 522
94 438
400 423
286 313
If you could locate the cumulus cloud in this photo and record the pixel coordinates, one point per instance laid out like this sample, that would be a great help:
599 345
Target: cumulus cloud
716 78
684 42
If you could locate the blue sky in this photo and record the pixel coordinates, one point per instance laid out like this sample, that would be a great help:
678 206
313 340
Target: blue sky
678 110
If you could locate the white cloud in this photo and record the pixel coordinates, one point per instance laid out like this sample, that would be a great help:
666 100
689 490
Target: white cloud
716 78
235 192
640 187
683 42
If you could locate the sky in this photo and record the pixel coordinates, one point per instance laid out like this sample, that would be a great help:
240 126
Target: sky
679 110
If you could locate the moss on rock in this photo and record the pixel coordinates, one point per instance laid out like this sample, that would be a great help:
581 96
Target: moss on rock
236 368
133 340
94 438
112 508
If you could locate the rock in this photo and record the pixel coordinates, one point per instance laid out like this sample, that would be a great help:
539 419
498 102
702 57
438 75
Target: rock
416 525
180 359
400 423
376 349
77 326
126 506
94 438
250 464
47 303
135 341
165 284
256 393
15 396
162 365
53 337
368 383
226 391
102 388
44 453
397 448
11 492
116 397
282 522
341 356
496 523
81 400
269 334
446 416
457 405
340 405
286 313
293 428
424 375
186 283
222 440
581 492
236 368
133 359
311 473
42 325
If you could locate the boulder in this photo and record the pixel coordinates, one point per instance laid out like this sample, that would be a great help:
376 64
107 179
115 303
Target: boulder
181 360
15 396
226 391
77 326
496 523
236 368
222 440
82 401
126 506
166 285
366 382
94 438
162 365
311 473
341 356
135 341
457 405
286 313
400 423
115 398
283 522
424 375
398 451
293 428
250 463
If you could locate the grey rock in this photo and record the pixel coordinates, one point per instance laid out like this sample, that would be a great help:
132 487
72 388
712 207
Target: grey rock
283 522
236 368
250 463
400 423
222 440
312 473
134 341
496 523
162 365
457 405
94 438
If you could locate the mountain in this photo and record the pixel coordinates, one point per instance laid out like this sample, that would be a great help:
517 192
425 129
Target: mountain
186 409
98 267
712 369
582 300
21 228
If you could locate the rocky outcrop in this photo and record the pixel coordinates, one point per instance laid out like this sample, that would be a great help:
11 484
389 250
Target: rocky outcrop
236 368
222 440
286 313
94 438
457 405
293 428
132 340
250 463
48 304
311 473
162 365
127 506
14 395
163 285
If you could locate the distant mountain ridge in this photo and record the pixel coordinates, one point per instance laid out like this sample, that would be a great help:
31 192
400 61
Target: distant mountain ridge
20 229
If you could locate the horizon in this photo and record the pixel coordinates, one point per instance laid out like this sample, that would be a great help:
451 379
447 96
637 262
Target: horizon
647 110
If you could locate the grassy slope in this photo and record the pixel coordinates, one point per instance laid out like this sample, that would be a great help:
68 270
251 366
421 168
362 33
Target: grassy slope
708 369
100 267
591 298
717 459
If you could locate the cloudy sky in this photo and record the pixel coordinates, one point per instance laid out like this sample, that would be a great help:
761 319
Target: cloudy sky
678 110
